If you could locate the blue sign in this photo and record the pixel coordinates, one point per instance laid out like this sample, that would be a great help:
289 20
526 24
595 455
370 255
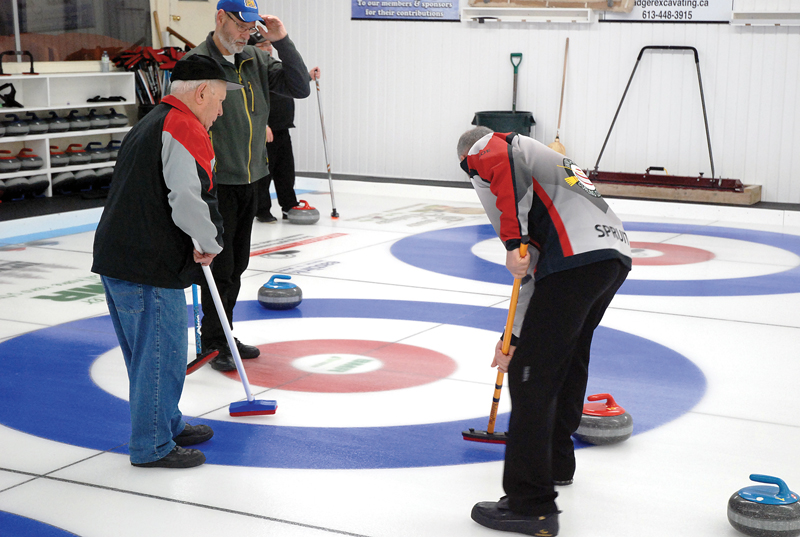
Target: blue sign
417 10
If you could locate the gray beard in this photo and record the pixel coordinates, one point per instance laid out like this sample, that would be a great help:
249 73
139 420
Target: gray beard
230 44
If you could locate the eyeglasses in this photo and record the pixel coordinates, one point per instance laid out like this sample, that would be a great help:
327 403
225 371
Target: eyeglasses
242 29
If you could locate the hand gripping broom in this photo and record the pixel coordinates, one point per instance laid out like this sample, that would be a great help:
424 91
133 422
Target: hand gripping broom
252 406
489 436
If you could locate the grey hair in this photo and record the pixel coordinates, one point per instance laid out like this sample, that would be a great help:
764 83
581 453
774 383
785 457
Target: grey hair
185 86
469 138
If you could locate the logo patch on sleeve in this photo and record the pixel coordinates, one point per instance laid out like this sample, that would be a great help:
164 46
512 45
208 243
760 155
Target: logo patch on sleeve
579 178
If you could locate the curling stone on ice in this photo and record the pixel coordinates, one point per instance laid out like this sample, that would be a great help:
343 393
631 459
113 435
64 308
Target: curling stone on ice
275 295
605 422
765 511
303 214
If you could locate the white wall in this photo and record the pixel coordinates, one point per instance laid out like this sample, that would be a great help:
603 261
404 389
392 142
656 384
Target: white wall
397 95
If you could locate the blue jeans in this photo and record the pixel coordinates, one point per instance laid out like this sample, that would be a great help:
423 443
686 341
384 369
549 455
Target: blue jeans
150 323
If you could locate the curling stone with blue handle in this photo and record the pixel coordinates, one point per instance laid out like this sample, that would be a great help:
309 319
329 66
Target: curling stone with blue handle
765 511
303 214
275 295
604 423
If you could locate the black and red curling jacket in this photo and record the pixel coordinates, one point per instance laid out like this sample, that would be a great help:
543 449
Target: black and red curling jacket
536 195
162 195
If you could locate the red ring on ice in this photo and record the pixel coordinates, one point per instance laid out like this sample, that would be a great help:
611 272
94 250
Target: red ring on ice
404 366
669 254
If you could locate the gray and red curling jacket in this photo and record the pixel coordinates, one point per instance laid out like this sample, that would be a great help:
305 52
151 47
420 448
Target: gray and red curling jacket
162 196
534 194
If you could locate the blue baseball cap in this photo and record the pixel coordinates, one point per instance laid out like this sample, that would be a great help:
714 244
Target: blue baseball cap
245 10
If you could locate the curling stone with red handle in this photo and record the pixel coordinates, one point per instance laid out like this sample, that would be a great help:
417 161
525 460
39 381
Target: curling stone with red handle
604 423
765 511
28 160
8 162
303 214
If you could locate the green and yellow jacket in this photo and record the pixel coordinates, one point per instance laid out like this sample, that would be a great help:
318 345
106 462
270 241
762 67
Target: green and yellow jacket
240 135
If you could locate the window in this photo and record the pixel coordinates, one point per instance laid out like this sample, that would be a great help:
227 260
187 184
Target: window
65 30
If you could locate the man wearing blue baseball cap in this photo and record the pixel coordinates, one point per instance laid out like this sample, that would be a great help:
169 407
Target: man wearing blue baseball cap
239 138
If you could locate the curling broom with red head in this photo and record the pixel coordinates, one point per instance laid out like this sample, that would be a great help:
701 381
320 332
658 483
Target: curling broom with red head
489 436
252 406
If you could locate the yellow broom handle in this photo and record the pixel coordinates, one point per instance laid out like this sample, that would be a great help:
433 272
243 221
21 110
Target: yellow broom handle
512 310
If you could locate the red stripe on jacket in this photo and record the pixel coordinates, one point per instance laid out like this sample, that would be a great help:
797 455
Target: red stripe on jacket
493 164
563 238
182 125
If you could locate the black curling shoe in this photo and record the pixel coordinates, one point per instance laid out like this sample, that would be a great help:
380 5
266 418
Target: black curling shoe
498 516
247 352
177 458
194 434
224 361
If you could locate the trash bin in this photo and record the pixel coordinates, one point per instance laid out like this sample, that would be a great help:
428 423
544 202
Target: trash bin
504 121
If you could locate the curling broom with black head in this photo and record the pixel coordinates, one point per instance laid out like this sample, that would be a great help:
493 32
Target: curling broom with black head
489 436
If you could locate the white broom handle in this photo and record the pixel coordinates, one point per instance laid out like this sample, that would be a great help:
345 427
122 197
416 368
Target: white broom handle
325 143
223 320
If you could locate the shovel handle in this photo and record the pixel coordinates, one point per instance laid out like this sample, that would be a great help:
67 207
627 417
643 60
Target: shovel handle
516 56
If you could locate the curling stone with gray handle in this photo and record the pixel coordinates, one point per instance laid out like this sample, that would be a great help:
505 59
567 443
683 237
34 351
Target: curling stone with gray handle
303 214
57 124
15 126
275 295
78 123
36 125
764 511
116 120
604 423
97 121
98 152
113 149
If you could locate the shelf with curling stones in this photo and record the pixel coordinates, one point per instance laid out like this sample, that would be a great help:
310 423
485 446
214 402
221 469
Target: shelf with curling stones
20 175
604 422
303 214
275 295
765 511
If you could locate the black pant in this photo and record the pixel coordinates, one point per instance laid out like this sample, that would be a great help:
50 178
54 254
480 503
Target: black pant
281 170
237 205
547 381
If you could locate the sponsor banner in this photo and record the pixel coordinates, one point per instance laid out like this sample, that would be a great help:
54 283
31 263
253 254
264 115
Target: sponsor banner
417 10
674 11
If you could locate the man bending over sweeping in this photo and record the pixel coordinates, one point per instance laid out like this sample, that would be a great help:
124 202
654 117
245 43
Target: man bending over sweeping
580 256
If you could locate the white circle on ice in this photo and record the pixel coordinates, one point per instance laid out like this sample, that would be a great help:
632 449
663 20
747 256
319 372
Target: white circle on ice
208 393
337 364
